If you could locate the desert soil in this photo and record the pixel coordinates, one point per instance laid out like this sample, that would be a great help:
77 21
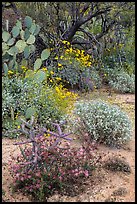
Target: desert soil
104 185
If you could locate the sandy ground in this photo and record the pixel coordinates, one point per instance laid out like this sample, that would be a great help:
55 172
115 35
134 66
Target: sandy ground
101 186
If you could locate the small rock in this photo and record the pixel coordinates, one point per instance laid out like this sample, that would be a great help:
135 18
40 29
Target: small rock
110 199
120 191
54 198
117 164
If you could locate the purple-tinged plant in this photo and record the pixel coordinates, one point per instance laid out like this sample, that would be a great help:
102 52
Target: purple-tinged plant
51 164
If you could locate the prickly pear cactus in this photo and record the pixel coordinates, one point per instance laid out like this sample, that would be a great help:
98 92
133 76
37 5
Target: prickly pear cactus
21 42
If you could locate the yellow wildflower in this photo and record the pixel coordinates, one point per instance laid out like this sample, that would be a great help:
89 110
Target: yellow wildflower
44 68
77 59
68 93
16 116
10 72
120 45
78 51
89 64
57 89
71 50
67 50
18 126
52 72
63 96
56 57
58 78
61 57
59 65
68 43
64 42
46 135
23 67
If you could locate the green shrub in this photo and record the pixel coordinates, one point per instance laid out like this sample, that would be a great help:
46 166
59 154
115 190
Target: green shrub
87 79
22 97
70 73
105 123
76 68
129 67
96 78
109 73
123 82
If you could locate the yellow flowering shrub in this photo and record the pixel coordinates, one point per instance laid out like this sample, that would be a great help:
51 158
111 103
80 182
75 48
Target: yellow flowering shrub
70 54
63 98
10 73
74 67
24 68
49 102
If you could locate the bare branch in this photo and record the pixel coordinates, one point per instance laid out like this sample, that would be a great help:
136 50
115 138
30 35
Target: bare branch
82 20
90 15
58 127
19 143
35 146
85 8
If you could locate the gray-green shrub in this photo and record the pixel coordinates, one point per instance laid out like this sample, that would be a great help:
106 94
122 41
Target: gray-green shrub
104 122
19 94
123 82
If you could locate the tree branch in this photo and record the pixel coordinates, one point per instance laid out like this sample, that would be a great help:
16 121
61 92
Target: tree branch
92 37
98 36
73 29
90 16
85 8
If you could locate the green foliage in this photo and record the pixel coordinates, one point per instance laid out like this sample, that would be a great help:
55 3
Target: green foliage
15 31
86 79
76 68
28 22
95 77
37 64
70 73
31 111
123 83
20 40
31 96
5 36
13 45
105 123
58 18
129 67
45 54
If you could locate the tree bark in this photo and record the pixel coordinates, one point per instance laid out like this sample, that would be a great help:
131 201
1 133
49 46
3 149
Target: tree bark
69 34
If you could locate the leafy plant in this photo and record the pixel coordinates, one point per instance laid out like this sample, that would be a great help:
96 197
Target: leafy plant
105 123
123 82
75 68
51 165
19 43
32 96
